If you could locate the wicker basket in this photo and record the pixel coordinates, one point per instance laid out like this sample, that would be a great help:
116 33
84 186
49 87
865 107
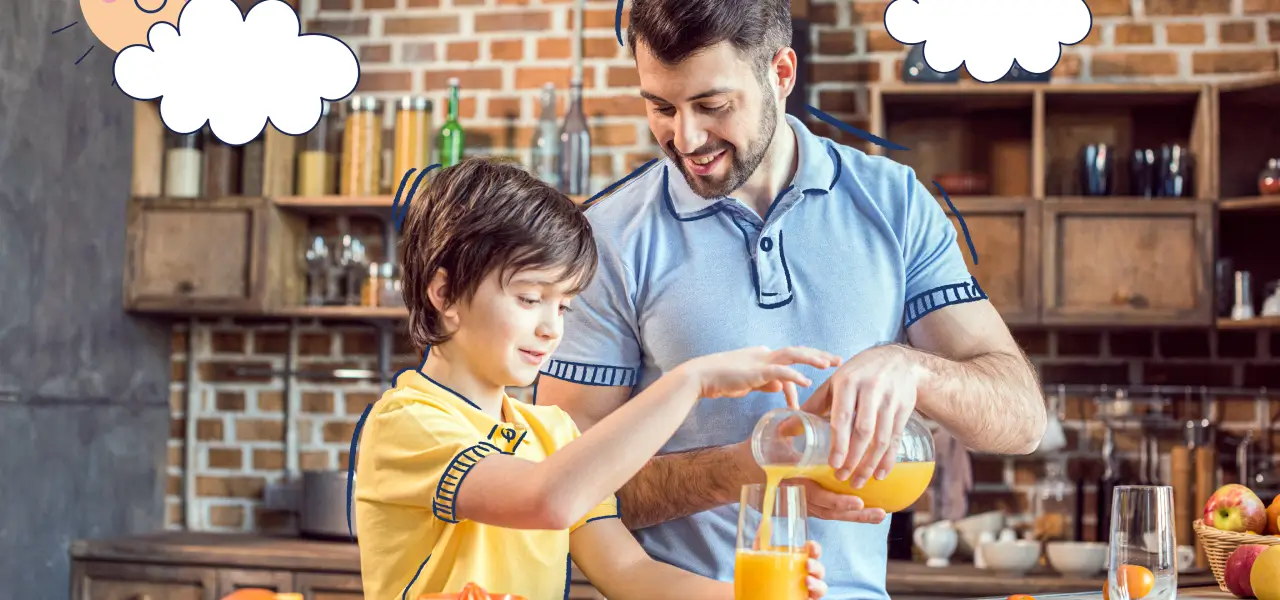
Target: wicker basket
1218 546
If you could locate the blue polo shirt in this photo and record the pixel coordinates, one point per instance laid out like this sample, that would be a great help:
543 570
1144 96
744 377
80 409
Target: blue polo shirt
847 257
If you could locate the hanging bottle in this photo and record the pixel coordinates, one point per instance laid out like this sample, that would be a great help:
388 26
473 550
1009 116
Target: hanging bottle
575 146
451 134
546 146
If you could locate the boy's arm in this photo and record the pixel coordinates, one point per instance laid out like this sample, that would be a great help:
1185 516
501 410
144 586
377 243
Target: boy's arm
621 570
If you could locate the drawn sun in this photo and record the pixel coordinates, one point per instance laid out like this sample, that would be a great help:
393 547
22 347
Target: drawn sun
119 24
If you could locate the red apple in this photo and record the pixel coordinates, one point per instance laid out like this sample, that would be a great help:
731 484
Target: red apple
1235 507
1239 568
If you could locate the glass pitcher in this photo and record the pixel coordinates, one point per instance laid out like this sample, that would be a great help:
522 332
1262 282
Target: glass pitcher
787 443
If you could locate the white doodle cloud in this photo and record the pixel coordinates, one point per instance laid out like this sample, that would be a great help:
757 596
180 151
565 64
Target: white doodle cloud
235 72
988 35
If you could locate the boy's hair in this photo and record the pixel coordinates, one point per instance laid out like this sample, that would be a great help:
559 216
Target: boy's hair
673 30
481 216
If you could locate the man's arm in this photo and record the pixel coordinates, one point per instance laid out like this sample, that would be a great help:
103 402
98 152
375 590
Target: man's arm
709 477
977 382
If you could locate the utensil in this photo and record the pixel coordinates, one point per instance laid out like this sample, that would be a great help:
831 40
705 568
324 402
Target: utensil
1142 539
1097 165
1143 175
1206 465
1243 308
1180 457
1106 484
771 561
322 510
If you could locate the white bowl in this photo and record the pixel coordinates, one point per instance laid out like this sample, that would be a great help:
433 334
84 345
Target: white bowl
1011 558
1079 559
972 526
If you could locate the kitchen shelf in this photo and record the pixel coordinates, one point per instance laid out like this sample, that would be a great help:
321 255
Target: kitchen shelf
1254 323
346 204
1254 203
338 313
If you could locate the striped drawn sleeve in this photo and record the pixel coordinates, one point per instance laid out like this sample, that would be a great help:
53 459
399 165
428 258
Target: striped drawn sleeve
457 469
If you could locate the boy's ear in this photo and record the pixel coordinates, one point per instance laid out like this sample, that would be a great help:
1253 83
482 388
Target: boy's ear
435 293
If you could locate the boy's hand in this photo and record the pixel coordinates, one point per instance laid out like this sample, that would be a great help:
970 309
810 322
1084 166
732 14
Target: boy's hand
817 573
736 373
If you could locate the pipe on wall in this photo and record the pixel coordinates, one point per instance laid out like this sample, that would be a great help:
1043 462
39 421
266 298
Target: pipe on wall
189 454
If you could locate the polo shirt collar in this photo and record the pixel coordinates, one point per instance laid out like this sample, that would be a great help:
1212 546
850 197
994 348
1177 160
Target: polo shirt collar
507 435
817 172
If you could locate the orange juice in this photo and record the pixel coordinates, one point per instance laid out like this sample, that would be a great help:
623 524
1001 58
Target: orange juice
904 484
770 575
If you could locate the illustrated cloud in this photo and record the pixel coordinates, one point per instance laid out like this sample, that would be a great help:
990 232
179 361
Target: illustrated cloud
237 72
988 35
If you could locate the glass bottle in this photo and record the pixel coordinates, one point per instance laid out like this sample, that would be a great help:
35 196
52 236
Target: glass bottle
183 163
575 146
452 137
413 144
317 171
1055 503
362 148
545 143
1269 178
788 443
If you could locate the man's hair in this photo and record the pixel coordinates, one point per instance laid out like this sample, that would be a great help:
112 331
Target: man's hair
481 216
675 29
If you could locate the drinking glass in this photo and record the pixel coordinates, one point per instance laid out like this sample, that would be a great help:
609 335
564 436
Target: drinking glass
1144 562
771 562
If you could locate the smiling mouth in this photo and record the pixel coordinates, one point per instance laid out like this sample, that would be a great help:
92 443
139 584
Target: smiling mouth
533 355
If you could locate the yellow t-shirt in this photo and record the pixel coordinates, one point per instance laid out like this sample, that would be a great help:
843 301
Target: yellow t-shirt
416 447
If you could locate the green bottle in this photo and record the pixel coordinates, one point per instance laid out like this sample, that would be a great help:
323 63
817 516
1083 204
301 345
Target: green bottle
451 135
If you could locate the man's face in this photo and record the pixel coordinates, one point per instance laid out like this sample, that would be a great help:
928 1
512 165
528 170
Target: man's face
710 114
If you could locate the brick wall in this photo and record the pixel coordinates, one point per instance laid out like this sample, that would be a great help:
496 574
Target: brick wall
504 50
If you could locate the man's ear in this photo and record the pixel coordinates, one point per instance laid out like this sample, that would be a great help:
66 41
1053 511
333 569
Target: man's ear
436 295
784 65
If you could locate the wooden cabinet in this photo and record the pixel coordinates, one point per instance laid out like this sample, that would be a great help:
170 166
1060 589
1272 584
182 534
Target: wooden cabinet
114 581
212 255
325 586
1128 262
1005 235
230 580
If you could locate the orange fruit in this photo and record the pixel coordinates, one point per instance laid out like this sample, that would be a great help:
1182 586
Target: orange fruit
1137 579
1021 597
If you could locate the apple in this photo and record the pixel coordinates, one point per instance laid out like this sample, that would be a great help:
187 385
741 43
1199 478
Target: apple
1273 517
1239 569
1265 575
1235 507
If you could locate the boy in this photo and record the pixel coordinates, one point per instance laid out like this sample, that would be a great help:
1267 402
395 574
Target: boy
458 483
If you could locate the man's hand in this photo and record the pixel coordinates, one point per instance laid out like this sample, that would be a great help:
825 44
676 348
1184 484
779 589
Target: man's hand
869 398
822 503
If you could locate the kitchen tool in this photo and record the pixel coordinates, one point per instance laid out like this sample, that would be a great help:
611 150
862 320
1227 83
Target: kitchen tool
1243 474
1141 538
1097 166
1077 559
1180 456
322 509
1175 171
1110 478
1143 177
1010 557
938 542
971 529
1206 465
1243 308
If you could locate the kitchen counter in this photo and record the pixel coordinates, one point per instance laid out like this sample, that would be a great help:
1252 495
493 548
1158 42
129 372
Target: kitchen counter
1209 592
288 561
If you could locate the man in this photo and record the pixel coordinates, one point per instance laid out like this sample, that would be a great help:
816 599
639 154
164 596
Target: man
755 231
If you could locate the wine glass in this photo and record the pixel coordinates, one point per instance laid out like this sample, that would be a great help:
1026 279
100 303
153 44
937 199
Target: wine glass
1143 562
771 561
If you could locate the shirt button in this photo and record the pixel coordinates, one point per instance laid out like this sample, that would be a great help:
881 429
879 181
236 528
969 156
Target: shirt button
766 244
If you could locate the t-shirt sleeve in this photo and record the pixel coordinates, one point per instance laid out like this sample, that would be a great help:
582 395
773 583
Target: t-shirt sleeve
937 275
600 345
419 455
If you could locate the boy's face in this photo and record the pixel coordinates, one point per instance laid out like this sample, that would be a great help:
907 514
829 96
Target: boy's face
506 334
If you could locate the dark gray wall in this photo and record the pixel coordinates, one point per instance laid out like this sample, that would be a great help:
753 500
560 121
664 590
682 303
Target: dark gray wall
83 387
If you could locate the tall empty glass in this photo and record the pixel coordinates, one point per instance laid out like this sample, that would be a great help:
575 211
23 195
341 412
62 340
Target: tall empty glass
1144 562
772 558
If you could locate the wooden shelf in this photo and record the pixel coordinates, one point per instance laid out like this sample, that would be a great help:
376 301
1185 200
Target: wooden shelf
1254 323
338 313
1253 203
341 204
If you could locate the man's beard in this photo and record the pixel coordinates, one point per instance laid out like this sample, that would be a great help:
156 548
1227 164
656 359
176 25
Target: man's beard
741 165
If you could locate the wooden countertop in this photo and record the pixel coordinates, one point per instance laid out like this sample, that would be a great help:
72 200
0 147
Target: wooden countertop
1211 592
256 551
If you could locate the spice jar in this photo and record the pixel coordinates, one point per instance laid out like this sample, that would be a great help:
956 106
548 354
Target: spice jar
372 287
413 123
221 176
317 167
1269 179
390 295
183 162
362 148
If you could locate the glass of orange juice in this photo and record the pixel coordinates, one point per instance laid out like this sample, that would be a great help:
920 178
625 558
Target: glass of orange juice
771 561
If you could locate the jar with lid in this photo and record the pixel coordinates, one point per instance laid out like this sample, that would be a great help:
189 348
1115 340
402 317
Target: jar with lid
390 295
413 140
361 172
1269 178
789 443
317 165
1054 503
183 164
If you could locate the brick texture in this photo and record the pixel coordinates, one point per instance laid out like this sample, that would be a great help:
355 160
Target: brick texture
504 50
